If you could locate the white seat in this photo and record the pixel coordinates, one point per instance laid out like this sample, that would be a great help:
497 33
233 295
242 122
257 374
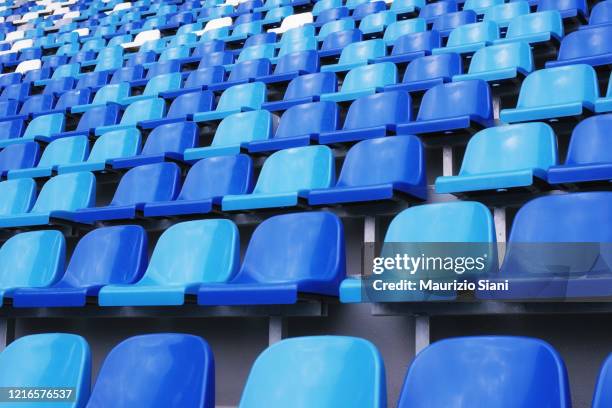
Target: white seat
18 46
72 14
293 21
29 65
14 36
82 32
143 37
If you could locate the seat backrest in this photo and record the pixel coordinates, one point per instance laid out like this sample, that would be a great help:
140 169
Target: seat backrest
602 397
250 95
256 52
308 250
195 252
115 144
370 76
49 360
308 118
450 21
108 255
590 141
205 76
507 148
215 177
112 93
454 99
65 150
103 115
148 183
245 127
303 44
338 40
126 74
335 26
433 10
302 61
580 5
377 21
163 67
461 370
368 7
553 86
67 192
171 138
502 14
18 196
11 129
443 66
32 259
363 51
502 56
322 5
350 372
310 85
146 109
534 23
387 108
586 43
189 103
46 125
384 160
19 156
462 221
36 103
601 13
415 42
403 27
187 375
484 31
246 70
480 5
72 98
216 58
164 82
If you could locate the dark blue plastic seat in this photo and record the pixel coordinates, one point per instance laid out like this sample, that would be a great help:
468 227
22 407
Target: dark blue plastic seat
568 8
201 78
601 14
244 72
292 65
602 396
464 106
334 43
488 369
433 10
18 92
426 72
370 117
378 169
589 160
288 255
590 46
216 58
182 108
369 7
128 74
187 373
299 125
97 116
446 23
206 183
411 46
304 89
331 14
8 107
18 156
112 255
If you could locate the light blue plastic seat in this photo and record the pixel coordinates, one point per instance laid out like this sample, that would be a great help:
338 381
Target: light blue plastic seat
18 196
65 192
55 360
469 38
235 132
335 26
585 47
139 111
377 22
446 23
541 27
357 54
423 73
244 30
323 5
458 222
186 255
503 14
298 34
155 86
305 44
403 27
257 52
104 95
173 53
555 93
187 373
31 260
604 104
238 98
503 158
287 176
66 150
277 14
288 255
499 63
487 369
111 145
364 80
481 6
40 128
281 376
407 7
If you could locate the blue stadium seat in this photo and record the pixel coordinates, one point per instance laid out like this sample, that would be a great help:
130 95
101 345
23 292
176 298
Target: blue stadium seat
588 157
18 196
72 98
376 23
40 127
55 360
234 133
410 46
331 14
165 142
464 106
31 260
366 8
490 369
187 376
236 99
183 107
335 26
449 222
602 397
65 192
256 52
469 38
604 104
446 23
61 151
206 183
601 14
111 255
585 47
568 8
287 176
186 254
308 258
106 94
304 89
111 145
127 74
244 72
364 80
403 27
8 107
299 125
557 249
34 104
370 117
335 42
323 5
406 8
139 185
500 63
139 111
481 6
433 10
292 65
426 72
357 54
503 14
280 378
12 129
91 119
257 39
18 92
378 169
555 93
155 86
18 156
542 27
503 158
199 79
